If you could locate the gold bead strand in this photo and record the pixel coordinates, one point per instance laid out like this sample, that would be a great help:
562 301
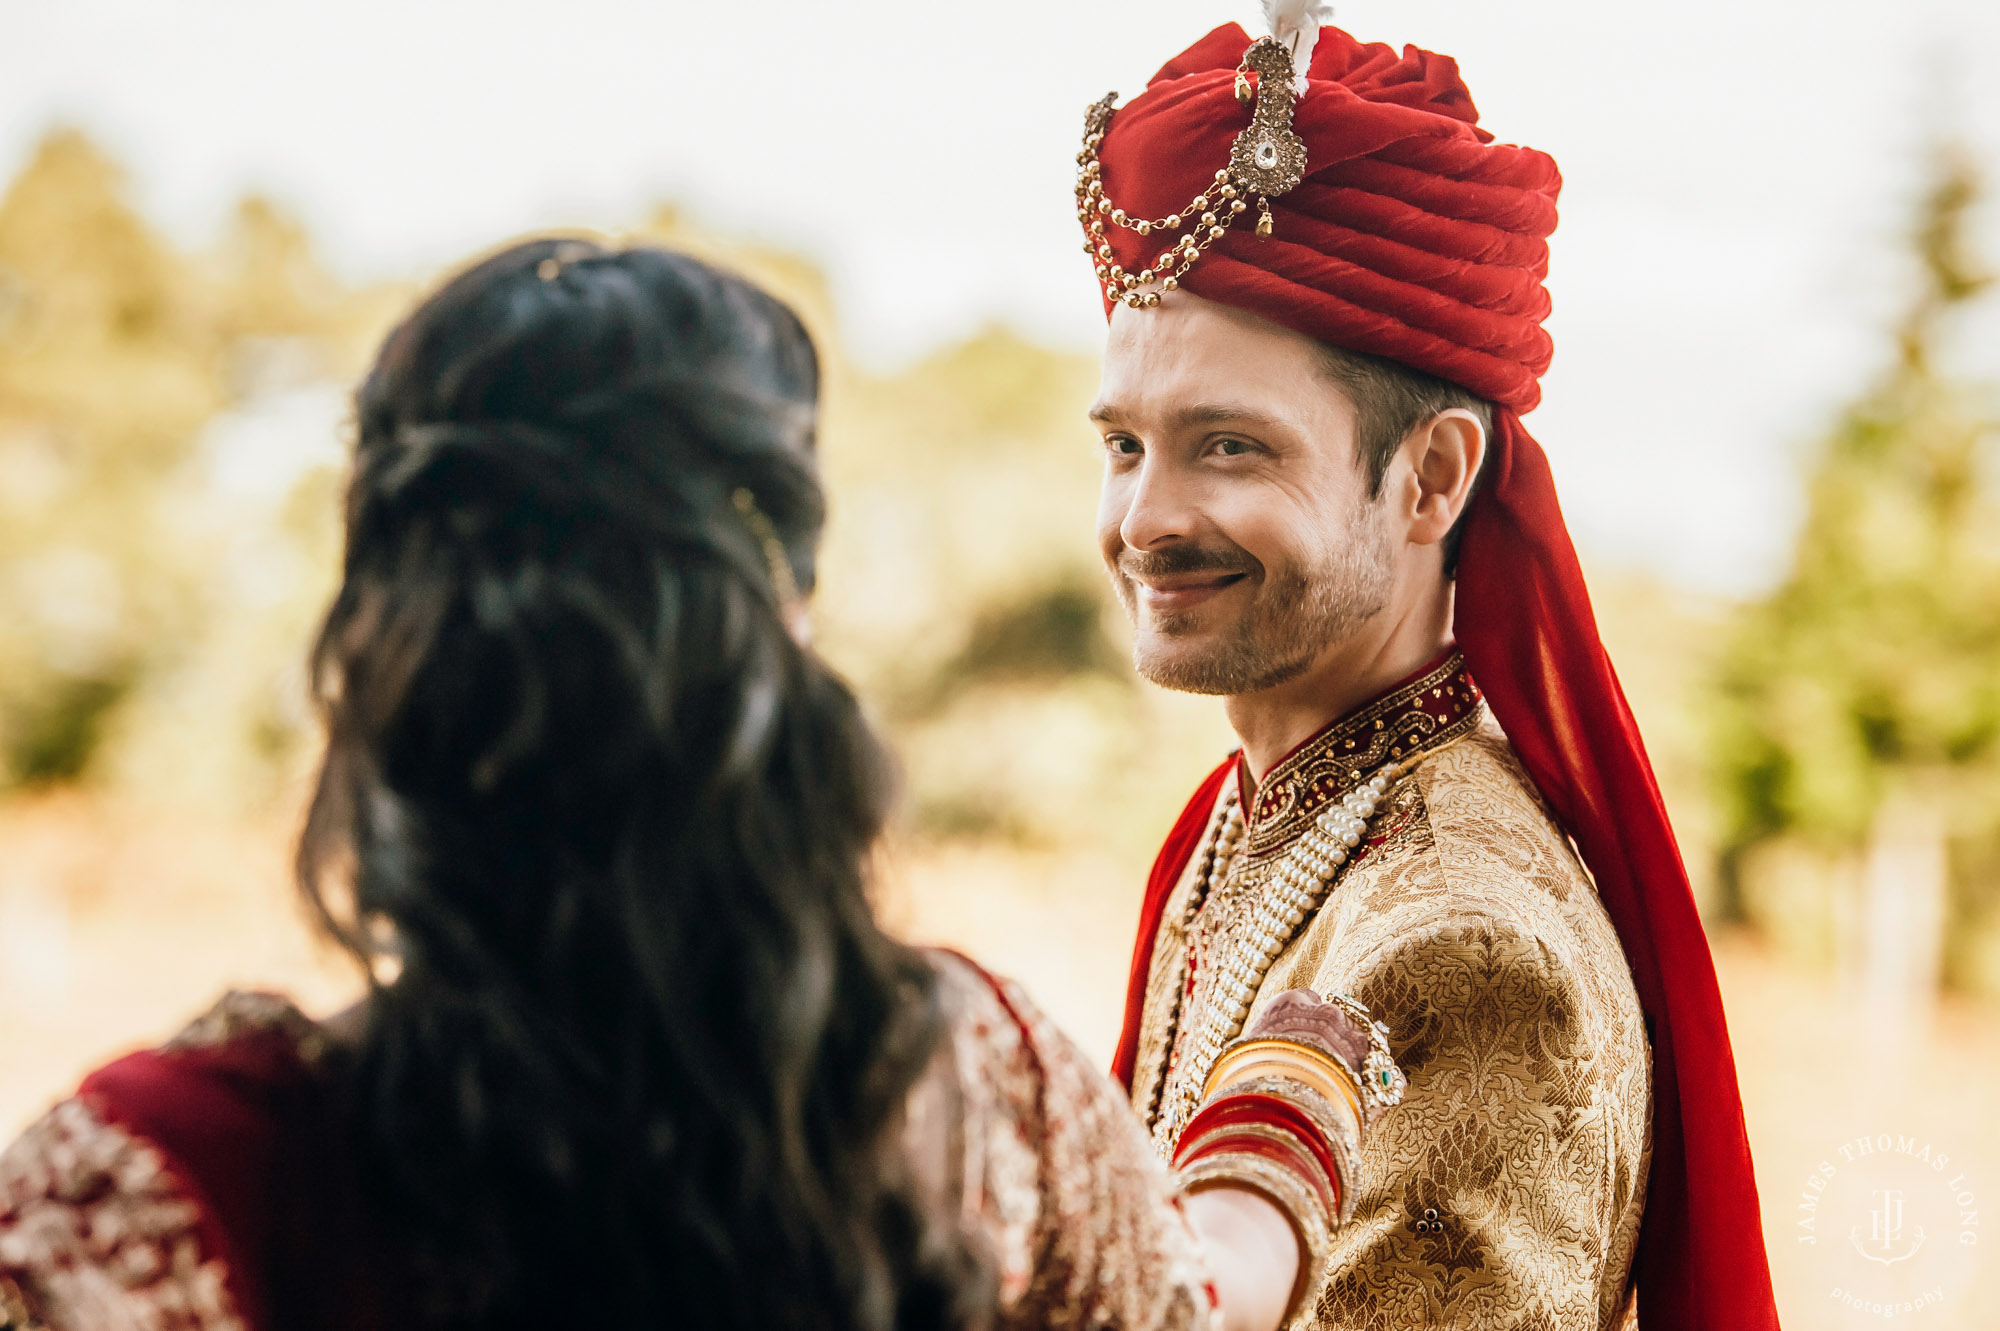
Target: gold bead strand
1223 844
1267 159
1297 888
1210 219
1224 840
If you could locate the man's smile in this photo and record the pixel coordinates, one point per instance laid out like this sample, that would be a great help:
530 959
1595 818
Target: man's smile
1173 593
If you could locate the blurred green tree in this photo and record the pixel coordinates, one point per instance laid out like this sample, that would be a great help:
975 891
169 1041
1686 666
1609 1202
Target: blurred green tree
118 354
1859 705
168 528
104 383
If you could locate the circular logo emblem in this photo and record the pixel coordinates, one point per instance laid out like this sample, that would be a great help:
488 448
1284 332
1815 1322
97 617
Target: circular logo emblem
1894 1223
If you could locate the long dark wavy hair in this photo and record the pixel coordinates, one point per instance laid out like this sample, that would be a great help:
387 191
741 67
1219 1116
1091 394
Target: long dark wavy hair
636 1051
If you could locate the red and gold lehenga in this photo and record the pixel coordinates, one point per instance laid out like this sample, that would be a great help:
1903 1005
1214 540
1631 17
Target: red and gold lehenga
204 1184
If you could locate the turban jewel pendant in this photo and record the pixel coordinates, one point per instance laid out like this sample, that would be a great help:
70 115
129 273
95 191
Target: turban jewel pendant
1266 161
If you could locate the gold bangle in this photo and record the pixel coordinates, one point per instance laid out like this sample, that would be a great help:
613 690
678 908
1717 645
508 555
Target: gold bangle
1286 1058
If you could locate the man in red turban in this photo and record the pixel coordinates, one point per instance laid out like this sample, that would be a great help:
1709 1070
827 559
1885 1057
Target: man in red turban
1325 289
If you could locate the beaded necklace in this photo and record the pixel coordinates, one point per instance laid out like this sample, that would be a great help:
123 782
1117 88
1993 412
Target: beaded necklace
1294 892
1266 161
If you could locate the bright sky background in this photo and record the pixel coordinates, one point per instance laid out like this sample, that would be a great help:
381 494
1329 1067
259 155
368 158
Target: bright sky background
1738 174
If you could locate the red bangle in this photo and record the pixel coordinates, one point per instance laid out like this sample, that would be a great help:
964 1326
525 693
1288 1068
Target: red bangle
1250 1107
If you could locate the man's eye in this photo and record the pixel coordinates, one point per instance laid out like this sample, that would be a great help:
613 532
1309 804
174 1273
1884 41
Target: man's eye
1125 444
1230 448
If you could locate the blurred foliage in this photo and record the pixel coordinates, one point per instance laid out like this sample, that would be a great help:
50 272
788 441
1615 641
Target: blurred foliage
169 470
170 462
1873 671
118 359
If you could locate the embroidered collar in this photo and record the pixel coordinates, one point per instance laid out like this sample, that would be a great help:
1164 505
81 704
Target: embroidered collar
1431 708
271 1022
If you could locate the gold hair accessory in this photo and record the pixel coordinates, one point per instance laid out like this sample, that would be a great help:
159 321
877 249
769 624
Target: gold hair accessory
567 252
1267 160
783 582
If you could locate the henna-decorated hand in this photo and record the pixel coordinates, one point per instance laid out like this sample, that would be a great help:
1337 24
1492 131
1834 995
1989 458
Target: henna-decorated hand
1303 1017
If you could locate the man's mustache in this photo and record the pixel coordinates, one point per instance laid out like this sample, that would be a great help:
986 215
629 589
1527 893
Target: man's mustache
1178 559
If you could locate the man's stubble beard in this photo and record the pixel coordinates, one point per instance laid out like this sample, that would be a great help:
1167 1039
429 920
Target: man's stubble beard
1297 613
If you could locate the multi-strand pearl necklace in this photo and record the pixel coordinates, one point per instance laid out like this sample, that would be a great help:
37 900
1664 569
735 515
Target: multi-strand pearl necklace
1293 893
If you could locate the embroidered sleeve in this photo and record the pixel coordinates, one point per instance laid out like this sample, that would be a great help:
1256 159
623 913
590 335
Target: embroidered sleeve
97 1235
1079 1214
1500 1192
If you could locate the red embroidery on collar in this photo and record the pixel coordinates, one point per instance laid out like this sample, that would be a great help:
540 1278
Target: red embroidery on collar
1431 708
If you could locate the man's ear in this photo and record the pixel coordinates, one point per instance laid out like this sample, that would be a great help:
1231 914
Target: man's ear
1444 453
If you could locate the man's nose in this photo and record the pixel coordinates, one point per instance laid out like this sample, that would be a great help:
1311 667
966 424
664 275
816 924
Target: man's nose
1159 510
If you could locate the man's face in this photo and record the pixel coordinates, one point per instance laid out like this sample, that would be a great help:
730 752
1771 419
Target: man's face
1235 516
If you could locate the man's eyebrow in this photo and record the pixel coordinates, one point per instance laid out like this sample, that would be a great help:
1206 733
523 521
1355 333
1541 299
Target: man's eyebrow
1220 413
1197 414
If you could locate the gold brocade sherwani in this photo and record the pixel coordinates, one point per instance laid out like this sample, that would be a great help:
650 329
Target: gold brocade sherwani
1506 1190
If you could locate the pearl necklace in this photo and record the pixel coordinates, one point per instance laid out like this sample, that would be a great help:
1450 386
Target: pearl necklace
1294 893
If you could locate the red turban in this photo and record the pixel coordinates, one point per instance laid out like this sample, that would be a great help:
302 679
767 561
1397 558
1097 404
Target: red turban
1416 237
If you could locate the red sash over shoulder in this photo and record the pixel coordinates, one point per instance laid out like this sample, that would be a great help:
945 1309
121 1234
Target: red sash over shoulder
1167 870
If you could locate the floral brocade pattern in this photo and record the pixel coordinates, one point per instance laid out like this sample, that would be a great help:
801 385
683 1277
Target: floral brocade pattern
96 1232
1053 1176
1506 1191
